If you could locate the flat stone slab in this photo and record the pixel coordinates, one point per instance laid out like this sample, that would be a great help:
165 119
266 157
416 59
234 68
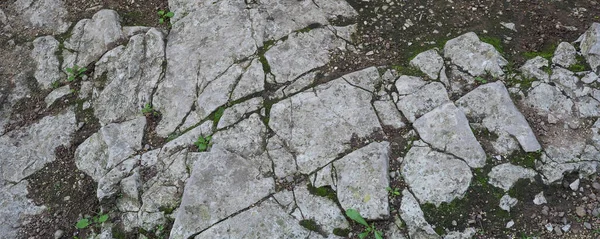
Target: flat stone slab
435 177
446 128
506 175
423 100
474 56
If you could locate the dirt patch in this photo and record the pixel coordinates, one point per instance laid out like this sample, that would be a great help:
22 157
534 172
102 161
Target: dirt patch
133 13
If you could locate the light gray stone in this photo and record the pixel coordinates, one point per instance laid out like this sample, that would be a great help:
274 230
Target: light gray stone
251 82
189 71
505 175
91 38
406 85
213 191
14 207
27 150
362 177
131 74
49 15
245 138
429 62
548 101
590 46
57 94
446 128
109 147
435 177
565 80
564 55
590 77
423 100
45 50
388 113
539 199
466 234
492 104
235 113
318 125
266 220
323 211
474 56
534 69
588 107
507 202
301 53
411 213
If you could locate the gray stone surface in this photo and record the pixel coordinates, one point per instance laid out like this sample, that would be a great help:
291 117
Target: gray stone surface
273 222
534 69
45 50
564 55
492 105
406 85
57 94
131 74
324 211
549 102
411 213
590 46
27 150
435 177
105 155
447 129
474 56
49 16
362 177
388 114
235 113
213 190
91 38
429 62
318 125
14 207
505 175
423 100
507 202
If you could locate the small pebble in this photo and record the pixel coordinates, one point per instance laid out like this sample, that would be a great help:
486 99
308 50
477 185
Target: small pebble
587 225
558 231
574 185
580 211
58 234
549 227
566 228
596 185
510 224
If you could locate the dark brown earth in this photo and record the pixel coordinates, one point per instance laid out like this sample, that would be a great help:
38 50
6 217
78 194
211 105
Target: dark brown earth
381 40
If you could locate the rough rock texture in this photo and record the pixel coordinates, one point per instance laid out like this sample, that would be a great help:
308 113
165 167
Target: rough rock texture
48 15
446 128
411 213
47 65
506 175
564 55
14 207
130 74
491 105
534 68
423 100
362 178
429 62
91 38
212 191
28 149
57 94
474 56
590 46
435 177
312 123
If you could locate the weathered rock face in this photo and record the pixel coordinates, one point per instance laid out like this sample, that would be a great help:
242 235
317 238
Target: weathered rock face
506 175
27 150
423 100
312 123
15 207
429 62
564 55
492 106
47 65
411 213
131 73
590 46
91 38
474 56
49 16
435 177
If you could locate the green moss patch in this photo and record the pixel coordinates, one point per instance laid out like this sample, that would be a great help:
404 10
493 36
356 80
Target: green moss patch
494 41
324 191
524 159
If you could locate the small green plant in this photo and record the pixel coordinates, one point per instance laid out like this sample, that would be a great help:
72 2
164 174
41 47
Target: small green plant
96 220
480 79
202 143
393 191
148 110
164 15
55 84
75 72
369 229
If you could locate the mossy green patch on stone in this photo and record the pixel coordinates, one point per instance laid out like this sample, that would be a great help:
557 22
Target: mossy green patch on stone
546 53
324 191
310 225
524 159
581 65
341 232
408 70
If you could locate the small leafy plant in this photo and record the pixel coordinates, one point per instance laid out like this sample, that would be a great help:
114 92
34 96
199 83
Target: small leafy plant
393 191
148 110
369 229
202 143
164 15
75 72
480 79
85 222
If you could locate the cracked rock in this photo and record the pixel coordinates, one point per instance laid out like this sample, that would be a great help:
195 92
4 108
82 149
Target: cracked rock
564 55
411 214
435 177
590 46
534 68
47 64
429 62
492 105
422 100
506 175
447 129
474 56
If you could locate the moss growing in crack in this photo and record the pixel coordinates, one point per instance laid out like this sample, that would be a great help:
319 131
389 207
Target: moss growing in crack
408 70
524 159
494 41
166 210
581 65
261 55
324 191
546 53
309 27
310 225
218 114
341 232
